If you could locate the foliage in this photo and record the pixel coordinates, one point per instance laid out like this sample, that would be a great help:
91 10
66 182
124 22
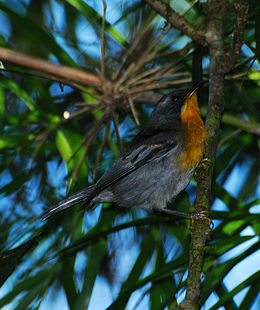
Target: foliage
143 257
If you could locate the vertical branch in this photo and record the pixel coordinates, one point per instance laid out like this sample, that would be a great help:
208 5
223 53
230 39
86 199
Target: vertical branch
216 18
218 62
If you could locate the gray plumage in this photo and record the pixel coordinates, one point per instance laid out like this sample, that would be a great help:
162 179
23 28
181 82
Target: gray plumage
147 175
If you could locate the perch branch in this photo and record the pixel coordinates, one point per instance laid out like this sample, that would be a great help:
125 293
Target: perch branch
200 234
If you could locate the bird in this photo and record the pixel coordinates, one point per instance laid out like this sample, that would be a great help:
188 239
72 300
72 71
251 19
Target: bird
157 164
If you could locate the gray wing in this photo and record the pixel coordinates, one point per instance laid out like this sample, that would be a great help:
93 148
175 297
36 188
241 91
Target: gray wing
130 161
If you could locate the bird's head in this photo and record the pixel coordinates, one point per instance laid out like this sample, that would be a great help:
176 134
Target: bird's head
175 107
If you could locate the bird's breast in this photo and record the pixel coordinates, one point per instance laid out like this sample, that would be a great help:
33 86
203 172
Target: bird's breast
194 136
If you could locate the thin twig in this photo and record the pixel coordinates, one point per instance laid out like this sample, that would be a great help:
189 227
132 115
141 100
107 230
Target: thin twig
142 75
76 114
158 85
138 38
133 110
135 66
158 73
157 78
124 76
150 53
82 142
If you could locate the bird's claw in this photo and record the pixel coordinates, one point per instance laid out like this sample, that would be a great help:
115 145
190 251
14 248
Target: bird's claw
205 160
202 215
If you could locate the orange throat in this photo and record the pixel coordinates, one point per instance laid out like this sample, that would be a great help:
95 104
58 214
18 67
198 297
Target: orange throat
194 133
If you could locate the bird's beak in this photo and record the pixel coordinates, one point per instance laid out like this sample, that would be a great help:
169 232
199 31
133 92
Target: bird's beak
193 90
191 101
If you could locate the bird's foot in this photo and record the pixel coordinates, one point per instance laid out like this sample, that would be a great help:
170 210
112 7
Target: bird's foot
202 215
205 160
205 163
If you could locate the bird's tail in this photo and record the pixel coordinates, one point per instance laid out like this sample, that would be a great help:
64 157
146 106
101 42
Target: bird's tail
82 196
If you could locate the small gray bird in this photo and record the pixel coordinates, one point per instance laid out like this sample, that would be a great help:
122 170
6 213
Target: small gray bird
158 163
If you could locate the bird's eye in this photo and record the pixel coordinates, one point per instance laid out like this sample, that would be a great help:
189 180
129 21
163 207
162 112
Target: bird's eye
175 98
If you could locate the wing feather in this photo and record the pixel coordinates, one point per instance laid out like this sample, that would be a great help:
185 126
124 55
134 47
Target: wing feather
134 158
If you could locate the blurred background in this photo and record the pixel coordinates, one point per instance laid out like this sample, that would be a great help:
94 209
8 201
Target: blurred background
58 137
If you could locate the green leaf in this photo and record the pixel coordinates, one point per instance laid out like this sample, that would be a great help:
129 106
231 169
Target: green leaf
230 201
10 140
95 257
145 254
22 94
251 296
23 119
67 276
221 291
252 280
223 160
221 246
27 300
41 279
74 138
64 148
165 272
217 273
162 291
95 234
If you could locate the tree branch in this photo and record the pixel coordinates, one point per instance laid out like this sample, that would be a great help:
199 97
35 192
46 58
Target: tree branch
64 72
216 25
177 21
241 7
